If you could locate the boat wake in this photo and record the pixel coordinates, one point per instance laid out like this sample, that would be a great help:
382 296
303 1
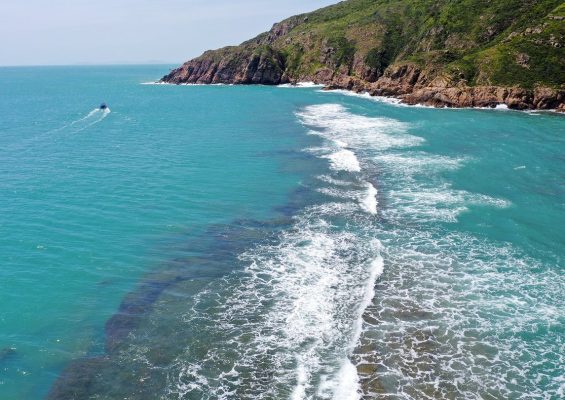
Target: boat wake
83 123
92 118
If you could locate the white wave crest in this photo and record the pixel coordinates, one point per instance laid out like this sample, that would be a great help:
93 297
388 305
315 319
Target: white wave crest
369 200
294 314
344 160
333 122
299 85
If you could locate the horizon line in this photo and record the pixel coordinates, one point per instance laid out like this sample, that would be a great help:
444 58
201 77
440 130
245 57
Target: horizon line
88 64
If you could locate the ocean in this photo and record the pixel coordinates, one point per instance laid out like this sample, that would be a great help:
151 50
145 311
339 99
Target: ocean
253 242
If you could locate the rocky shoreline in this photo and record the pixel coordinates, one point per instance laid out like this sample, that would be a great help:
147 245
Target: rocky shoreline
407 83
402 84
357 45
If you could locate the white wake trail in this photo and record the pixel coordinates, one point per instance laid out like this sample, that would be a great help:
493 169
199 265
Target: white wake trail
104 114
90 114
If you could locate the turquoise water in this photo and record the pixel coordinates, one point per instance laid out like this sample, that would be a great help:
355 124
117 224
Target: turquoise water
219 242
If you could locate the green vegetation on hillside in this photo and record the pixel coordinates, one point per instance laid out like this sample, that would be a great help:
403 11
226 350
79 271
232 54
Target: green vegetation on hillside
477 42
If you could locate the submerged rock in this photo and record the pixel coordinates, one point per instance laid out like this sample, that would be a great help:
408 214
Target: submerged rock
6 353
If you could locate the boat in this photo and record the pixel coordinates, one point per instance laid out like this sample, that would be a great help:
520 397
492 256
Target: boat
103 106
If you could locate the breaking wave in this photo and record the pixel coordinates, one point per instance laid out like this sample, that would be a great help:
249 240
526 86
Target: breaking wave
355 300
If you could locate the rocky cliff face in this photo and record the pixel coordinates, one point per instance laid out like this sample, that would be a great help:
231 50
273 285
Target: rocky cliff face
424 52
413 86
244 67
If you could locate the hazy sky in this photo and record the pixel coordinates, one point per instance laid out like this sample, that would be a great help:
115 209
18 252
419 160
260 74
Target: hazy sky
44 32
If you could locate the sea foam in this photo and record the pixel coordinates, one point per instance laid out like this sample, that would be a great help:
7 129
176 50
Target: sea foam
300 85
297 308
334 123
369 199
344 160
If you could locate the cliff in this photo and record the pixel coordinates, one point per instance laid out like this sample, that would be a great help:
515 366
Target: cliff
469 53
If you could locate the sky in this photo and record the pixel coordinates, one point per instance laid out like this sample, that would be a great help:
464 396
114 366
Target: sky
68 32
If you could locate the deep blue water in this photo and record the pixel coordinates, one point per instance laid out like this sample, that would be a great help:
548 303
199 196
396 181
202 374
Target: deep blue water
224 242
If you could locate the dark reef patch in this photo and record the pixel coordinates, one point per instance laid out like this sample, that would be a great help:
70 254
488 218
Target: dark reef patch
152 334
6 354
215 254
140 322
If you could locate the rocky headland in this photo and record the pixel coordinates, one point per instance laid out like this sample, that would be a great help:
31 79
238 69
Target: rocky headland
438 53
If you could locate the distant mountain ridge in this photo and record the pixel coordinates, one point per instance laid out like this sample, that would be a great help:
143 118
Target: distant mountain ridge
468 53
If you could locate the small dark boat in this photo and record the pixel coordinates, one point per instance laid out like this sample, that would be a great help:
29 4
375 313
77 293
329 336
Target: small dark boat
103 106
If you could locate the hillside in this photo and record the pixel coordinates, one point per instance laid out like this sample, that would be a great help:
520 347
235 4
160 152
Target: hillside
469 53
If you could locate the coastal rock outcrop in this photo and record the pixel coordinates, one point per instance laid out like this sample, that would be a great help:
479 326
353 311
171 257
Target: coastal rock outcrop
409 50
261 66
